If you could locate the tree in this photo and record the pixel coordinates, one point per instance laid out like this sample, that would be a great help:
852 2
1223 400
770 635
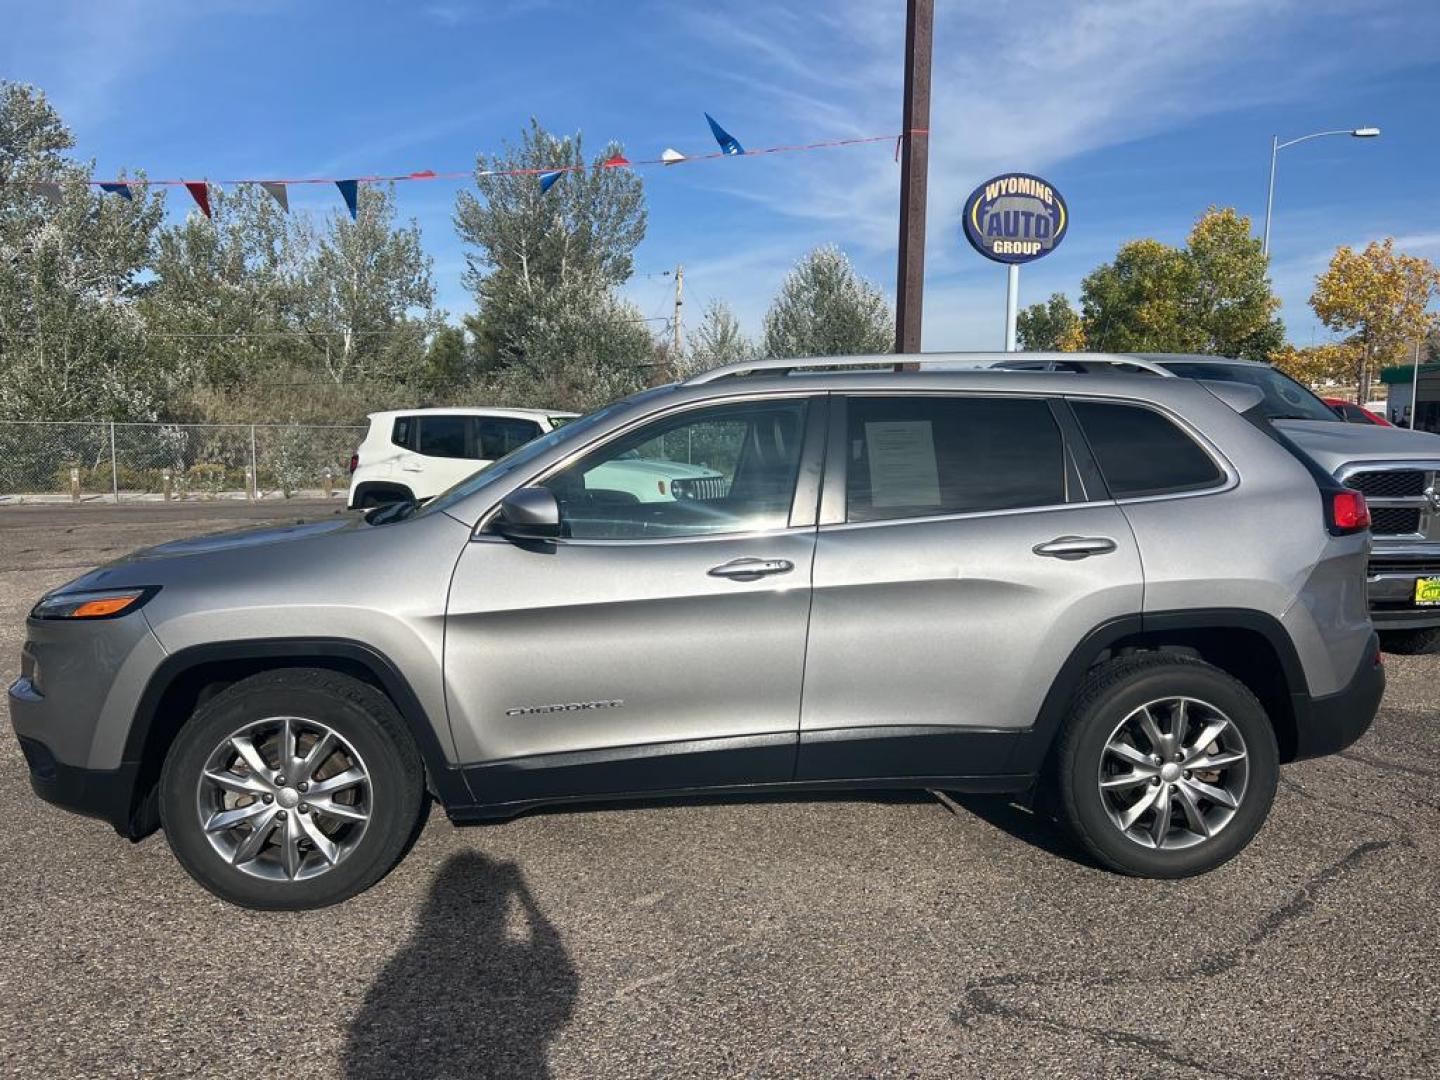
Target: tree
824 308
580 347
1332 362
1212 296
225 301
447 360
1053 326
1138 302
70 275
366 294
1380 296
529 245
717 341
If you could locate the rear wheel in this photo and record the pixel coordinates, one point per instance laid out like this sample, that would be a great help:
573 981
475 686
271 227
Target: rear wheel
1415 642
292 789
1167 766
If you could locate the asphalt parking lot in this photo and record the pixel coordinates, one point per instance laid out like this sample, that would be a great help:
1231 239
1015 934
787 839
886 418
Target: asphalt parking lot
902 936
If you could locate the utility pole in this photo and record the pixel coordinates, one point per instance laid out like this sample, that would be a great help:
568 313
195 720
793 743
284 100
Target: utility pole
914 170
679 301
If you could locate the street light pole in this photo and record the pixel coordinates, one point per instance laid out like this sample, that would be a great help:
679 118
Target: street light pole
1276 146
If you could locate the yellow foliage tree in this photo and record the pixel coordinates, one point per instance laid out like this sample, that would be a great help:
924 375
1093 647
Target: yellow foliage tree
1380 296
1334 361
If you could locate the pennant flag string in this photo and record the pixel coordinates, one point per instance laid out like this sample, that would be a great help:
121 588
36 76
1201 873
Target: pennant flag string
200 192
278 192
350 192
276 187
728 143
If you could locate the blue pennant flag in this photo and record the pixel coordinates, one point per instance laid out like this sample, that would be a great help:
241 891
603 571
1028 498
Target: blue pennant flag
123 190
547 180
349 191
728 142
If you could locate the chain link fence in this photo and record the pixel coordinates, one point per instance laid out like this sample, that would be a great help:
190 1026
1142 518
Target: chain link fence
57 461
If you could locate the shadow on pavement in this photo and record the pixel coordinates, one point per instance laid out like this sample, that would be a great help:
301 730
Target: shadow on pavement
481 989
1028 826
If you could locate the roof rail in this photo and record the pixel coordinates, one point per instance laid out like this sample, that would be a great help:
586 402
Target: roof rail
775 365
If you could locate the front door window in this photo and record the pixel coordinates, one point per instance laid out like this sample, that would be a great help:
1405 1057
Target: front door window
712 471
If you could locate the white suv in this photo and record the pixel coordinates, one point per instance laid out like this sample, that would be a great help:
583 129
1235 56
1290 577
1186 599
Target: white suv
418 453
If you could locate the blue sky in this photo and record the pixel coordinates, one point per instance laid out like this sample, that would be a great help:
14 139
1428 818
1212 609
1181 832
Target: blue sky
1142 112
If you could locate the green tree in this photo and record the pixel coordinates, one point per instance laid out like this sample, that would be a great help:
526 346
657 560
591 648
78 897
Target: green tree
366 294
447 361
225 300
1138 302
824 308
580 347
1381 297
1211 296
70 275
717 341
1233 302
1053 326
528 246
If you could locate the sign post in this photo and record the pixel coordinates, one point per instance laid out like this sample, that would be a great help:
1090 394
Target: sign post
1015 218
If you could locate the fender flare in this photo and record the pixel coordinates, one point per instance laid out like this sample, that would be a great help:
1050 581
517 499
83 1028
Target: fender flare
447 781
1034 747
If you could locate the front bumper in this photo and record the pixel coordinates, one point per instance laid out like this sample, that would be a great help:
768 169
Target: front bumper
1333 722
1390 584
107 794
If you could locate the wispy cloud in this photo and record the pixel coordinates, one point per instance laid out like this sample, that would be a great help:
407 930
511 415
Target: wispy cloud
1066 79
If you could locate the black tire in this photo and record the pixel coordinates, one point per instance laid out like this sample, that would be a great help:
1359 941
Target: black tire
360 715
1418 642
1112 692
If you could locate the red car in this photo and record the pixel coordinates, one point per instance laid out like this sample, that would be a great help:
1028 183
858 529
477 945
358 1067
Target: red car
1355 414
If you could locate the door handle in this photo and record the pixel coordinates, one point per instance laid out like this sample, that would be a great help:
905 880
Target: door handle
751 569
1075 547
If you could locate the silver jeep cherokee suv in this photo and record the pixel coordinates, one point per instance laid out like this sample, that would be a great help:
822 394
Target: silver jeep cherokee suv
1397 470
1131 596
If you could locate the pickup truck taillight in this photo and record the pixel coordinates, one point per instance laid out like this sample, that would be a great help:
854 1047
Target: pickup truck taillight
354 461
1348 512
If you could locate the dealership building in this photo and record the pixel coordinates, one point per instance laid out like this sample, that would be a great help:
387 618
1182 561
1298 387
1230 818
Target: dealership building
1399 381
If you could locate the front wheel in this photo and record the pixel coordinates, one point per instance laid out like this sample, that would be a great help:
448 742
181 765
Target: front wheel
1167 766
292 789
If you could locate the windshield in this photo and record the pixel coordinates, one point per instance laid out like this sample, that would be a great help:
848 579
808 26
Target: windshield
1285 399
523 455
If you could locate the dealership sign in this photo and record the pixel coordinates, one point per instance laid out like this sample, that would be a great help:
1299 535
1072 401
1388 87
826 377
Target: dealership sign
1015 218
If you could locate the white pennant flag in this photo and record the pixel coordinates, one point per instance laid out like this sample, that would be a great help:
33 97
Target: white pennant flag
277 192
670 157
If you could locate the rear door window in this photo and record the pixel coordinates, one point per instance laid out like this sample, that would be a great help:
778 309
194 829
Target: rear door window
444 436
1140 452
496 436
924 456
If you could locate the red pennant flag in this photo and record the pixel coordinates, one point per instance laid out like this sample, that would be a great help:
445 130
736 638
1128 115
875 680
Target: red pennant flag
200 192
423 174
619 161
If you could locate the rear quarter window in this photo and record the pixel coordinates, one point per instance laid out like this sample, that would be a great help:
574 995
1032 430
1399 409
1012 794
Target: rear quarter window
1141 452
403 432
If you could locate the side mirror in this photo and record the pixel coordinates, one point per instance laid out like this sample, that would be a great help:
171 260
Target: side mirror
528 513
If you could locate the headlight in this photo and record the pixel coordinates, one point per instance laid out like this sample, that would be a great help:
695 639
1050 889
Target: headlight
106 604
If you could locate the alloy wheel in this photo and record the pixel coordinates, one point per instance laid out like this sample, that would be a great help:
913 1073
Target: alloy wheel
284 798
1173 773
